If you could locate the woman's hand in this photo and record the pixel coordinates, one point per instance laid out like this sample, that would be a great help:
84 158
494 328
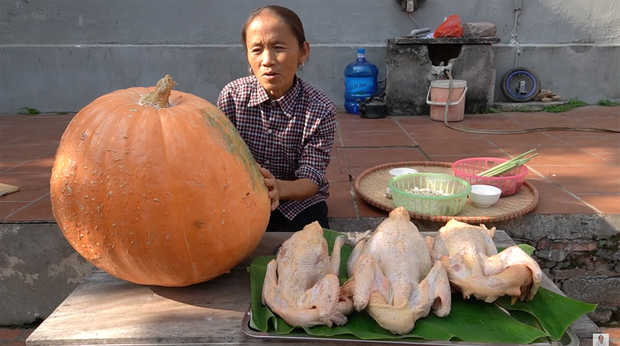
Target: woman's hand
295 190
272 186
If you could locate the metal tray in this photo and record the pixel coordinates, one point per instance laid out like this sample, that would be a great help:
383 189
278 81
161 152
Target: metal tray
568 339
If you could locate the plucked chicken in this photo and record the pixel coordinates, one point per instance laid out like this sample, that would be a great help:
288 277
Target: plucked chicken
391 275
475 268
301 284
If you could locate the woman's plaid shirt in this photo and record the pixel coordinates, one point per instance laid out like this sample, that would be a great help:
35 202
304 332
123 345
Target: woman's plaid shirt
292 136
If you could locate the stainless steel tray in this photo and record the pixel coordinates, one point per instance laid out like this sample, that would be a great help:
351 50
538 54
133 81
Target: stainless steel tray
568 339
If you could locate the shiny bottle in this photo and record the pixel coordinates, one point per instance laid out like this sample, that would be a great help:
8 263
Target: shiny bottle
360 82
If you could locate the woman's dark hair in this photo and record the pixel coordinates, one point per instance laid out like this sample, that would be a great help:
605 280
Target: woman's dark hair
287 16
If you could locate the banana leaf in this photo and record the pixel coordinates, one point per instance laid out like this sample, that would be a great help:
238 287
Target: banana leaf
545 318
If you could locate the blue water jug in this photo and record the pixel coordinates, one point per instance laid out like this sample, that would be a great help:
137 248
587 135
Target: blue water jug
360 82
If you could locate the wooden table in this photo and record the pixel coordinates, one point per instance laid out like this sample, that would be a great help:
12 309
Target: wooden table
107 310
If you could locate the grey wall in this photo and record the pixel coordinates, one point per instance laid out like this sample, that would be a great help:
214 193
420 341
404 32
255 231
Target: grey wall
38 270
58 55
570 21
589 72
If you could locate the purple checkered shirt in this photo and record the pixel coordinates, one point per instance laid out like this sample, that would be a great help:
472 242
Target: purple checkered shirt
292 136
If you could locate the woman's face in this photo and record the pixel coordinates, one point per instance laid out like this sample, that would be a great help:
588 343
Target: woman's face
274 53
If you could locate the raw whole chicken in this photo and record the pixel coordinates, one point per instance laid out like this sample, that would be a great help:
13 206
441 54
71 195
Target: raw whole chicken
391 275
301 284
475 268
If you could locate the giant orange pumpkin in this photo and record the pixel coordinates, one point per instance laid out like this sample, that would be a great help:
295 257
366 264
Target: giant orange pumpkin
158 188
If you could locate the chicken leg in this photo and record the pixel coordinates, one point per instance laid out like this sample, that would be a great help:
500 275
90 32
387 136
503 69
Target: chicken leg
433 293
475 268
318 306
301 285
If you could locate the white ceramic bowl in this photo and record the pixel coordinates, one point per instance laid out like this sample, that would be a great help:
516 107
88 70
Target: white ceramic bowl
484 196
402 170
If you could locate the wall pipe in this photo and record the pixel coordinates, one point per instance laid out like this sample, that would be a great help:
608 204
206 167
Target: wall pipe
517 8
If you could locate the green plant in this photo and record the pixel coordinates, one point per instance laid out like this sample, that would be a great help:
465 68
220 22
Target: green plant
28 111
573 103
508 165
520 109
607 103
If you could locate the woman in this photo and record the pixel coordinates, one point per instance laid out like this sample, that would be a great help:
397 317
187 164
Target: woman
287 124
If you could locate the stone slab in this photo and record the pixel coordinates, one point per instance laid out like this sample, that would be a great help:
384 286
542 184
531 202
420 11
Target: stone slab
479 29
44 269
602 290
107 310
406 40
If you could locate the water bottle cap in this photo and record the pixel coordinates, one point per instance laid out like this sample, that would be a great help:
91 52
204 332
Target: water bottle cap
361 52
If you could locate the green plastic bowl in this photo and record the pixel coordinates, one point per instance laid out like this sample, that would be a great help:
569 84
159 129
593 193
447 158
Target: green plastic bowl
457 188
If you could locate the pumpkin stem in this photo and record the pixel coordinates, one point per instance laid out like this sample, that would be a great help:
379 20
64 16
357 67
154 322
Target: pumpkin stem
159 97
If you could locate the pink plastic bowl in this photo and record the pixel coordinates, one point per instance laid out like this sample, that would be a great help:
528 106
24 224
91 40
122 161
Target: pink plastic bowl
510 182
